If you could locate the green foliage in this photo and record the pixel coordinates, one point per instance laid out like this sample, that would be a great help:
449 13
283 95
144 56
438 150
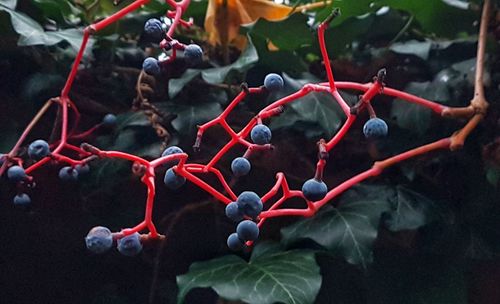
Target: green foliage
271 276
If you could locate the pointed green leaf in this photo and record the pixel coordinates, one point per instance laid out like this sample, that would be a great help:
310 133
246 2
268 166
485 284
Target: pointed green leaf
348 230
290 277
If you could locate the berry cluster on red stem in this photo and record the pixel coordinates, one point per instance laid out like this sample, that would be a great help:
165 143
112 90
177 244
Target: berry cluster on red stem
248 206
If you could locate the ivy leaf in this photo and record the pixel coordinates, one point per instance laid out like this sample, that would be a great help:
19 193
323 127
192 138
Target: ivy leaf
32 33
409 210
315 114
348 230
244 62
215 75
281 36
290 277
413 117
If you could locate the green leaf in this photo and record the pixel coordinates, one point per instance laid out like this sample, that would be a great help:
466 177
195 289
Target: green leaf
409 210
290 277
189 116
244 62
279 33
315 114
32 33
348 230
414 117
413 47
215 75
9 3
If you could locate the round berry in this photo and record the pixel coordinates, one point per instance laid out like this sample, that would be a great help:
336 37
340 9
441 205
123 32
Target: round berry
314 189
38 149
68 174
151 66
240 166
99 239
22 199
153 28
250 204
169 151
109 120
130 245
82 169
273 82
261 134
375 128
193 54
234 243
233 212
247 231
16 174
172 180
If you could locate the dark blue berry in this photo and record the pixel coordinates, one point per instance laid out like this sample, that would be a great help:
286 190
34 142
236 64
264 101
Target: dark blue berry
68 174
151 66
250 204
16 174
38 149
99 239
172 180
153 28
109 120
261 134
22 199
233 212
193 54
169 151
375 128
273 82
234 243
314 189
130 245
82 169
240 166
247 231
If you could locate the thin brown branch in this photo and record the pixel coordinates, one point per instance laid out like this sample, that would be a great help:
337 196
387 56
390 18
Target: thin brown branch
478 103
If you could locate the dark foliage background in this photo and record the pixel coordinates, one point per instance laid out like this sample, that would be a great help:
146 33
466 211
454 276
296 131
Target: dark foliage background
430 226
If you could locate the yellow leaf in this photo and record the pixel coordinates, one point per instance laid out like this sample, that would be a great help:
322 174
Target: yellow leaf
224 17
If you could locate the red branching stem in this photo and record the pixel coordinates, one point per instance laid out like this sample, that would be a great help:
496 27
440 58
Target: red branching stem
341 133
324 53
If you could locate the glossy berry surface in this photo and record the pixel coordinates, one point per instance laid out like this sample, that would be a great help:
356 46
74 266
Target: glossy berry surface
172 180
234 243
375 128
16 174
240 166
22 199
169 151
109 120
233 212
38 149
273 82
261 134
99 240
151 66
247 230
250 204
314 189
130 245
68 174
153 28
193 54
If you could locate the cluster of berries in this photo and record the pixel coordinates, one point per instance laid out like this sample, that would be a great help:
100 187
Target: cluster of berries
40 149
156 32
247 208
